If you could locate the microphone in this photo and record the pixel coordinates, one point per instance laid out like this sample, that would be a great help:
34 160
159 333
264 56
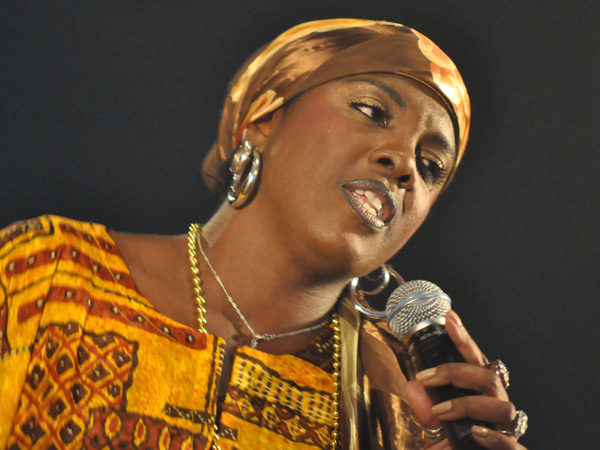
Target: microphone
415 313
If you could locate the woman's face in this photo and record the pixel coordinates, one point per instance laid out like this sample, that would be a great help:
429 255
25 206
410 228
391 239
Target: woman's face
351 169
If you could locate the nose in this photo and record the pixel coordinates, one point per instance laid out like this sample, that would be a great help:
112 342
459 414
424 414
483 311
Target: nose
398 165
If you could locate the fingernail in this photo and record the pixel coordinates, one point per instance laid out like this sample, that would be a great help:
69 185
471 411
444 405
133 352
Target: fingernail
481 432
442 408
454 317
425 374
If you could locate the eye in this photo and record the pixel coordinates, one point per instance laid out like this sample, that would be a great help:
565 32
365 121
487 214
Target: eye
372 110
431 170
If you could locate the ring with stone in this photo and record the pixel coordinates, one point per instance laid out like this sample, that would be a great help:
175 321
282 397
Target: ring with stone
518 425
500 369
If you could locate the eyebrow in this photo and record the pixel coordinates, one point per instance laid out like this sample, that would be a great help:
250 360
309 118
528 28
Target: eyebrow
399 100
444 144
394 95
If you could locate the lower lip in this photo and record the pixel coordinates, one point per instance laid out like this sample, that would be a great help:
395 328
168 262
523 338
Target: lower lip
363 213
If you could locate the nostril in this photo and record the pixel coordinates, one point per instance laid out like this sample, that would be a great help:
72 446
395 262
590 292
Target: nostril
403 180
386 162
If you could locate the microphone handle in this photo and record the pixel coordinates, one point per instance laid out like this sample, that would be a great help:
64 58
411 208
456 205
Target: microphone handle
429 347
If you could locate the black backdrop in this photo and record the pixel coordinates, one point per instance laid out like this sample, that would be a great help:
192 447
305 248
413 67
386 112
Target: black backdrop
108 107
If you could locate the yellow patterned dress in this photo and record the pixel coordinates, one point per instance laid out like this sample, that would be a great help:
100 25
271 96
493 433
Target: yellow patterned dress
87 362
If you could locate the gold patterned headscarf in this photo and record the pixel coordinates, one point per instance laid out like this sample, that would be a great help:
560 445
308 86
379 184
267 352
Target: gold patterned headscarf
314 53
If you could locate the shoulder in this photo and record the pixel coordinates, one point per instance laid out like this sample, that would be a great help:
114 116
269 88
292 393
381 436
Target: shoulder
31 254
32 249
24 231
48 228
47 252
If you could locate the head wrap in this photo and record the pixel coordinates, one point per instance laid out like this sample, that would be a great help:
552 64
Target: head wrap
314 53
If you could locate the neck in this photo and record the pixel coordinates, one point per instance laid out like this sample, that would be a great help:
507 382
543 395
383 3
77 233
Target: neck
274 292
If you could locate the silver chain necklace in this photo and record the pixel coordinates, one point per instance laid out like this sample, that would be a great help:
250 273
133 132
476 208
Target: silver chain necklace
256 337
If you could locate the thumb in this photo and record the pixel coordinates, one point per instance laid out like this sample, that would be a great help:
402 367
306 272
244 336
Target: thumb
421 404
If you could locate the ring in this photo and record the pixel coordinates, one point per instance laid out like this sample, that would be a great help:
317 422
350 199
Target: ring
500 368
434 433
519 425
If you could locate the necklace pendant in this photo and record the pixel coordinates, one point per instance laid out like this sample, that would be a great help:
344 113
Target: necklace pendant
253 342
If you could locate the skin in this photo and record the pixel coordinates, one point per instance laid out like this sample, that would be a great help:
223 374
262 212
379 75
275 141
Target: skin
293 249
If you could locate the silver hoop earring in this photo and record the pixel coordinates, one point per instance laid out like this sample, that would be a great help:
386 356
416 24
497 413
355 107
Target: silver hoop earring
357 294
244 180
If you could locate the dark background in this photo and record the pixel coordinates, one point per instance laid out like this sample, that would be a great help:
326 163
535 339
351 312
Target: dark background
107 109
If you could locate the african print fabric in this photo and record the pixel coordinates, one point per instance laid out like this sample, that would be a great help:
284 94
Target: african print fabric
87 362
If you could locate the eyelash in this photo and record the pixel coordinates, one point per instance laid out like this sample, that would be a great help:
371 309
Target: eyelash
434 172
378 112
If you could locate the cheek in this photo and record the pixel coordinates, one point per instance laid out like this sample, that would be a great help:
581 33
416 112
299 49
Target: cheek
320 135
417 207
421 205
420 211
308 156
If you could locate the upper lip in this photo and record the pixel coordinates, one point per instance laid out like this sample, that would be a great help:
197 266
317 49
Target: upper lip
378 195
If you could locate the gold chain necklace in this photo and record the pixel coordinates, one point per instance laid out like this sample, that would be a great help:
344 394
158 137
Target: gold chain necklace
193 236
198 291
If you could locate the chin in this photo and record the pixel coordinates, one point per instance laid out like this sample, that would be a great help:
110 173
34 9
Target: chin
345 254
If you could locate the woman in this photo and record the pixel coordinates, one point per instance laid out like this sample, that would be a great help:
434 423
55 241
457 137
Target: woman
334 142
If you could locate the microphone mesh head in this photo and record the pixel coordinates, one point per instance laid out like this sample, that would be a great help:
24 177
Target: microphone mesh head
415 302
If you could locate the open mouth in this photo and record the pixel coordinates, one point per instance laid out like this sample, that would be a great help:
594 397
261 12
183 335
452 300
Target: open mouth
372 201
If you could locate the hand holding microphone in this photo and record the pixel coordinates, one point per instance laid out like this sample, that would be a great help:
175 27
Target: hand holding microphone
470 399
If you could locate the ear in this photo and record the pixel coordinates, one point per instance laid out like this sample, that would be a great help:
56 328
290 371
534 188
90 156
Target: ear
260 132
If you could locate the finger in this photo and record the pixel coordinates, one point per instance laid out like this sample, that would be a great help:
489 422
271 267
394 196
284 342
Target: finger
465 376
463 341
493 440
477 407
421 404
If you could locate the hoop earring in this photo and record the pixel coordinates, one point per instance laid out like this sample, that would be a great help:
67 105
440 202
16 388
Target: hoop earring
357 294
244 180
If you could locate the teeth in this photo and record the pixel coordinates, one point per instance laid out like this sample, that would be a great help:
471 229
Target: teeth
367 208
370 211
373 199
368 202
377 203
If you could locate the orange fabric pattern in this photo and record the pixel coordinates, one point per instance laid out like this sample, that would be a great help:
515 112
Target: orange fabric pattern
87 362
